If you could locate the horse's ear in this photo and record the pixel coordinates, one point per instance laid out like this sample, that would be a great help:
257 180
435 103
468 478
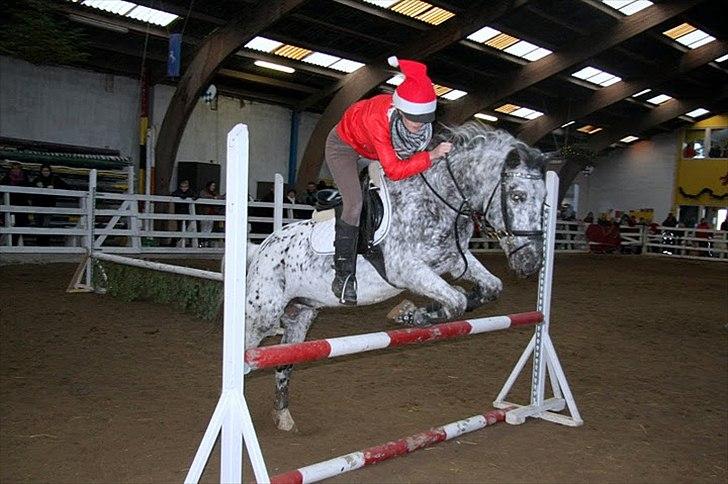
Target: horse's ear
513 158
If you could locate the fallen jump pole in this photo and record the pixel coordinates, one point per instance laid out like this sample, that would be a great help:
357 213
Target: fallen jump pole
158 266
294 353
373 455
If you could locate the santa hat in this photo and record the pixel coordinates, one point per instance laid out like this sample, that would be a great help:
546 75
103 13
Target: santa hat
415 96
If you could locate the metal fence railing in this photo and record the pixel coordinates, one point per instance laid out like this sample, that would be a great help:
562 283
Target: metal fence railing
66 221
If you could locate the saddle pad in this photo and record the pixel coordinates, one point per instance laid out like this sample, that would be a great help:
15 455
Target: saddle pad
322 234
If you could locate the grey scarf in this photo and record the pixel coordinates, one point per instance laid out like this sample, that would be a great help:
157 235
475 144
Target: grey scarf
406 143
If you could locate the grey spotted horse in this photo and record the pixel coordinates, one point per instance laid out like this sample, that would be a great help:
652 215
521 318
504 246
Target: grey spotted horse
487 172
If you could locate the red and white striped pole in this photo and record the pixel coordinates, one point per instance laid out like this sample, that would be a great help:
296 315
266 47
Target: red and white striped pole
395 448
293 353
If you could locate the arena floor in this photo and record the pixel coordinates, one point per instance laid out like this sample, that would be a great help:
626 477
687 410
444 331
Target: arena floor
96 390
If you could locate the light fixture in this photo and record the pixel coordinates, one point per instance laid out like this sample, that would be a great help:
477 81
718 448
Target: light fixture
721 58
486 117
98 23
454 94
596 76
568 124
659 99
644 91
275 67
696 113
629 139
628 7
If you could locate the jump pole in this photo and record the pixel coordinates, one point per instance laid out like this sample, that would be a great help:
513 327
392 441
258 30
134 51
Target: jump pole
231 416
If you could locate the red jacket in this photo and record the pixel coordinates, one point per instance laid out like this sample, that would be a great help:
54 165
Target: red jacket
365 127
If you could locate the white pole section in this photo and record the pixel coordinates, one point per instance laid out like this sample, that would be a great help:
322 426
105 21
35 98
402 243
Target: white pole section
90 225
278 200
158 266
148 174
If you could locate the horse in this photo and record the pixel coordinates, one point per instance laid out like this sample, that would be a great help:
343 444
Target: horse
488 172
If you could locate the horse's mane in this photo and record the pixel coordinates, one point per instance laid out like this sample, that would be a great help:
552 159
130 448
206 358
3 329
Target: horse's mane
484 142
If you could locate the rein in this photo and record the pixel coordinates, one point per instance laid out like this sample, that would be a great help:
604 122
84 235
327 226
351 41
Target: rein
466 210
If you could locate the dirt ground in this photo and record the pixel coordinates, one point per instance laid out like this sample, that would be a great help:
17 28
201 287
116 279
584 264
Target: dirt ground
96 390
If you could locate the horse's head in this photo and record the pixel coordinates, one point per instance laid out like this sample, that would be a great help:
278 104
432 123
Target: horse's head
514 208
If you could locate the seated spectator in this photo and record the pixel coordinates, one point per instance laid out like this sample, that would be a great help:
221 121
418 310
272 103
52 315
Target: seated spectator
46 179
670 221
183 191
309 198
17 177
589 219
207 226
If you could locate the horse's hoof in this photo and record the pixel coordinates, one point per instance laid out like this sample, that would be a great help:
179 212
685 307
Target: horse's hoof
284 421
398 312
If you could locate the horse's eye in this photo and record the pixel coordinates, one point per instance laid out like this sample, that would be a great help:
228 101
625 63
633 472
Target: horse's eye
518 196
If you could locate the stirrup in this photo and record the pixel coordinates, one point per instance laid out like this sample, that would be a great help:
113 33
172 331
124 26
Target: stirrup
345 291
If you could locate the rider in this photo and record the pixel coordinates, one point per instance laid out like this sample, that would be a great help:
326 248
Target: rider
394 129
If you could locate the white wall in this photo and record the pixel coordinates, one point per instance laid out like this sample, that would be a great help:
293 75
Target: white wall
269 126
72 106
80 107
640 176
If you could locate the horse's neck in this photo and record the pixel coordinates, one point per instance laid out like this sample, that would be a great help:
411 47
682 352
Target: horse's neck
476 180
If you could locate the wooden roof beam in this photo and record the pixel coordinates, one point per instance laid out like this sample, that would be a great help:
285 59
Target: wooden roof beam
534 130
208 58
570 55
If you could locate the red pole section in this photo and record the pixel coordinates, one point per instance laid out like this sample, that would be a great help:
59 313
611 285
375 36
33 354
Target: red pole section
294 353
356 460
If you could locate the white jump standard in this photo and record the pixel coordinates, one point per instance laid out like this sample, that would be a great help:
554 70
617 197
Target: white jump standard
232 418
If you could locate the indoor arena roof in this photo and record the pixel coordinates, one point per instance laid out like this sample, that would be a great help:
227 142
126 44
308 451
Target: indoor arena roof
545 69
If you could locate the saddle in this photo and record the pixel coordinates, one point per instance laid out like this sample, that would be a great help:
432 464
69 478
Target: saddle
374 221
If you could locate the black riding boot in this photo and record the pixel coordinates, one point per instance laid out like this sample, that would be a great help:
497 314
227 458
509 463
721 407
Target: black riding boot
344 285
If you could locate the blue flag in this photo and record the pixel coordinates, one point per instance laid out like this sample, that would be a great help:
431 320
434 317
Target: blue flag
175 55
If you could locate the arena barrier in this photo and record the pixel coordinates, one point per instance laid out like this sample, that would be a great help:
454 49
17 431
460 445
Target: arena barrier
231 417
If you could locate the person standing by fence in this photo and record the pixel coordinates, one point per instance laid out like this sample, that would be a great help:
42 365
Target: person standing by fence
183 191
17 177
46 179
206 226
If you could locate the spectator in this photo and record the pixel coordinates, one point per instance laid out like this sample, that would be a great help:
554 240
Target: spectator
589 219
17 177
309 198
701 232
670 221
567 213
46 179
321 185
724 224
183 191
206 226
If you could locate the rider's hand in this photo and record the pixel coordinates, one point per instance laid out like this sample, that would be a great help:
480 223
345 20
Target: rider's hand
440 150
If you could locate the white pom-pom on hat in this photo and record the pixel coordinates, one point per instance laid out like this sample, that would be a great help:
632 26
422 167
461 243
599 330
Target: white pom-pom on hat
393 61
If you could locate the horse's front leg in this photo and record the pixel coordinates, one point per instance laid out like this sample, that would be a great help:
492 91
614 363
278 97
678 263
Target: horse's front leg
487 287
449 302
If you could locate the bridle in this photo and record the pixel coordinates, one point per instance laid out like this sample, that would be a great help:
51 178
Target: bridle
480 219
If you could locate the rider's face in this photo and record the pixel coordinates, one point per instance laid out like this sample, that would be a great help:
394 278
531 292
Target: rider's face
412 126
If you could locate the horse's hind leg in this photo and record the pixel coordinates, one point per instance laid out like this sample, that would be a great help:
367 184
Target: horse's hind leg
296 321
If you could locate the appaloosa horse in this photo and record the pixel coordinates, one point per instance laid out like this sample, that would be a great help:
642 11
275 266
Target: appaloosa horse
488 172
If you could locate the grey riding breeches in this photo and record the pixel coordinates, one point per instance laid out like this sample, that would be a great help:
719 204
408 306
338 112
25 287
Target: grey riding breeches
343 162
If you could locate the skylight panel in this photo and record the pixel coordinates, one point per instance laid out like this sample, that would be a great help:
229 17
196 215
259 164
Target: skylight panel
133 11
696 113
589 129
486 117
519 111
629 139
596 76
659 99
382 3
721 58
275 67
627 7
422 11
262 44
508 43
689 36
346 65
483 34
152 16
321 59
292 52
396 80
454 95
643 91
117 7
